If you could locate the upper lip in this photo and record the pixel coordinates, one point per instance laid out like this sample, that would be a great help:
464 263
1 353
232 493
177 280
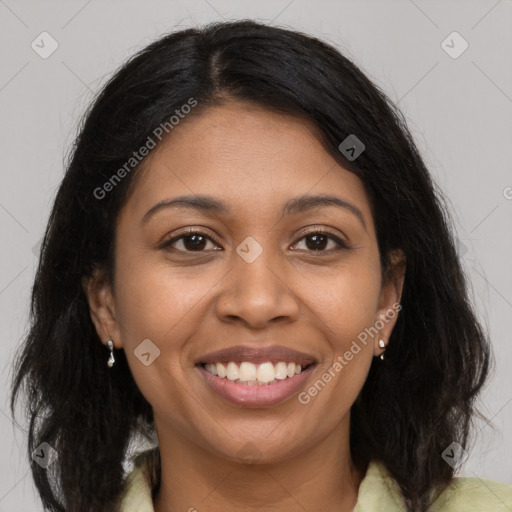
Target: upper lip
252 354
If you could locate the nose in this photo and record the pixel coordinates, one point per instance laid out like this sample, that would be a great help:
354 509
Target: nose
258 293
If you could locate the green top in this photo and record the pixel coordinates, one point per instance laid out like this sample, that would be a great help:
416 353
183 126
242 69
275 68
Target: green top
378 492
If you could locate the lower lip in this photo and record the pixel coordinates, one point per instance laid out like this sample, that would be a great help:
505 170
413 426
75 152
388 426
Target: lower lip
244 395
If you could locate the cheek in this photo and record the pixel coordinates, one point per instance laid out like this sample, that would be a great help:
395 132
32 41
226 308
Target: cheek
153 303
153 300
347 301
347 304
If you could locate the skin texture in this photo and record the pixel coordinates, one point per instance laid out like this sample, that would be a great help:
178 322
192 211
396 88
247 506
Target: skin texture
191 303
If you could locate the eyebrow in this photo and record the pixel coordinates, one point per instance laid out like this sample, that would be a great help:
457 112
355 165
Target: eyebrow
209 204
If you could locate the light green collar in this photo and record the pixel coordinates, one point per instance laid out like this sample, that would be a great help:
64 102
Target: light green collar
378 491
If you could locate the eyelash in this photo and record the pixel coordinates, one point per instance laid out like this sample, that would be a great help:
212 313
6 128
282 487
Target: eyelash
191 231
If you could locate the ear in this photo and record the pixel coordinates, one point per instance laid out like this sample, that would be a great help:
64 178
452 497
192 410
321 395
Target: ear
389 300
99 295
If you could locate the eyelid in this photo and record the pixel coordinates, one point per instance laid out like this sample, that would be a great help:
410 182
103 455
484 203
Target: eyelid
324 231
341 243
201 230
198 230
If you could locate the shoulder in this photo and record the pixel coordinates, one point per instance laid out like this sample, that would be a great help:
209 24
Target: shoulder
474 495
379 491
139 486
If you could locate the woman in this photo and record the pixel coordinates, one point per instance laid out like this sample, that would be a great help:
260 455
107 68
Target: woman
245 228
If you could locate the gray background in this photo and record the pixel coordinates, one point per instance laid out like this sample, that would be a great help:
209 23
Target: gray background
459 110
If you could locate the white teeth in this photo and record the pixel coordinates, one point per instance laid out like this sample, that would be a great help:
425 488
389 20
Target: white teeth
221 371
252 374
247 372
281 371
266 372
232 372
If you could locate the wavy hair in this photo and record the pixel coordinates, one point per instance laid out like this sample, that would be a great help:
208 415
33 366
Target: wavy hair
413 405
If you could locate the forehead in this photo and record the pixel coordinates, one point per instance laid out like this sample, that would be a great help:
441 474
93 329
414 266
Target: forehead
250 157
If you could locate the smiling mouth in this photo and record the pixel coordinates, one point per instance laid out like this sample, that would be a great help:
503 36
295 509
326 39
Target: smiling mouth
251 374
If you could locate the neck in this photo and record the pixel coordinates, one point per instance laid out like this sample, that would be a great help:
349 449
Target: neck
319 478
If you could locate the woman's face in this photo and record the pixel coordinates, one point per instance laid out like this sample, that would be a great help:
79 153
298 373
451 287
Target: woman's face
252 280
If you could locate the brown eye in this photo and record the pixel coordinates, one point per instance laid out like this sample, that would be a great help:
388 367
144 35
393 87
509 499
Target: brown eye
196 241
191 241
319 240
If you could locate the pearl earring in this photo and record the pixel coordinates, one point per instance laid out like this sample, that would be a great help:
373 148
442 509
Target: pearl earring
111 359
382 345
